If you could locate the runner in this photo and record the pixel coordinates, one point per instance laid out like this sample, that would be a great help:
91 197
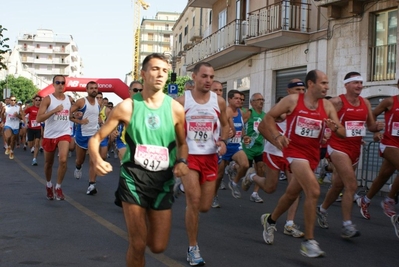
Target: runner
12 116
34 128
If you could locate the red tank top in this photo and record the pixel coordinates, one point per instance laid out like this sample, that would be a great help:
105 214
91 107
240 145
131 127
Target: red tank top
354 120
391 134
304 129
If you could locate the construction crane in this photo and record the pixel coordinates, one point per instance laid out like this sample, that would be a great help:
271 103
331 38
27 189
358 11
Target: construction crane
136 26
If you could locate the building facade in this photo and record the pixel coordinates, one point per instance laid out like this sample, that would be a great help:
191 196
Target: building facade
156 34
41 55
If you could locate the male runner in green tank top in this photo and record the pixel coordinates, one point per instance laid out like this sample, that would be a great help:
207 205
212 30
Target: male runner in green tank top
155 138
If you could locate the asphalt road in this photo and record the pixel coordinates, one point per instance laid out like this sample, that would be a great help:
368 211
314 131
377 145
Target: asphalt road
90 230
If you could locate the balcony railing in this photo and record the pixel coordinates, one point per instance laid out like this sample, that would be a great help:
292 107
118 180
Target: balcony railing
383 62
195 33
283 15
229 35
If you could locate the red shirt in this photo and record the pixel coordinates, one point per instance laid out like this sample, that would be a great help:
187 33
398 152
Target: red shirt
353 118
32 123
391 134
305 129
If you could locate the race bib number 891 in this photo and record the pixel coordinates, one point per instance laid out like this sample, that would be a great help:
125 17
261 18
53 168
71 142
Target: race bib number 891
307 127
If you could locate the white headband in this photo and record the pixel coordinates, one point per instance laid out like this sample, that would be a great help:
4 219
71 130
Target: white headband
351 79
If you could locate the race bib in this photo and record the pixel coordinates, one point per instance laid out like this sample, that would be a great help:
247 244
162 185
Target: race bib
11 117
355 128
307 127
237 138
395 129
34 123
152 158
200 131
62 115
256 125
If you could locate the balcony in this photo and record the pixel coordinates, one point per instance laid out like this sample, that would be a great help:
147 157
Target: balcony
383 62
279 25
195 34
222 47
201 3
186 43
335 6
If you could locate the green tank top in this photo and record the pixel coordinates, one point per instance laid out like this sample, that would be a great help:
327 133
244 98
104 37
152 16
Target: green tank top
150 136
251 129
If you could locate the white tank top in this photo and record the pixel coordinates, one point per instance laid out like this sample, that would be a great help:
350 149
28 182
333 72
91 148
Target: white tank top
271 149
12 121
90 112
58 124
202 126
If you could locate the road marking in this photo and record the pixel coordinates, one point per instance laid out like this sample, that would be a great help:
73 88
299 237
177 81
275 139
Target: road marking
107 224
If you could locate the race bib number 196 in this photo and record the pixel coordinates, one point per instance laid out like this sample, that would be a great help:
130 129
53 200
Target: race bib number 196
152 158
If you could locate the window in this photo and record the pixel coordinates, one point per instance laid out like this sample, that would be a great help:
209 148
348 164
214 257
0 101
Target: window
37 46
210 17
185 30
383 47
150 48
150 37
50 46
167 27
166 37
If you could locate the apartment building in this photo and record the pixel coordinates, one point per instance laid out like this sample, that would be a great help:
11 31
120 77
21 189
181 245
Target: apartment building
193 25
39 56
258 46
156 34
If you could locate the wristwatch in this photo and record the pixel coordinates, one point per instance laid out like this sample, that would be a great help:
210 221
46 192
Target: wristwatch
182 160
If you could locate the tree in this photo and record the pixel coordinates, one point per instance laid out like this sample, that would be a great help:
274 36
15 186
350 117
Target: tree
180 81
23 89
4 48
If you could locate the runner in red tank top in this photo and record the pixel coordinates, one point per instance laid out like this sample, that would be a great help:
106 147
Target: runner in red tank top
300 145
389 150
355 114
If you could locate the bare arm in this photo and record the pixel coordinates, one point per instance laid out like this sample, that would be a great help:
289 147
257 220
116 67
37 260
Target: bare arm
74 112
372 124
180 169
333 122
42 115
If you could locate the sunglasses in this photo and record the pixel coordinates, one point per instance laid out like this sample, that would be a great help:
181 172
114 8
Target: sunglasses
13 100
137 90
38 100
58 83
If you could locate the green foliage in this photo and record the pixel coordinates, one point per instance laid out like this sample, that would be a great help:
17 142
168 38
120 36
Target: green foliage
23 89
4 48
180 81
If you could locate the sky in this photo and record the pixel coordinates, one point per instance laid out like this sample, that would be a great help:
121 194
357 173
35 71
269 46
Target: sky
102 29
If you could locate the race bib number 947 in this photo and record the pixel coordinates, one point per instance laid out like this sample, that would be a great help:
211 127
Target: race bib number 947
152 158
307 127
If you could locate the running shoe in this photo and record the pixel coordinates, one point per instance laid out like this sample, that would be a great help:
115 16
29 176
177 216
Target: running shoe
364 208
256 198
58 194
388 206
34 162
231 171
7 152
41 149
293 231
77 173
322 218
32 149
11 156
215 202
268 229
282 176
91 190
339 198
176 188
222 186
194 258
24 147
234 190
349 231
50 192
395 223
246 182
311 249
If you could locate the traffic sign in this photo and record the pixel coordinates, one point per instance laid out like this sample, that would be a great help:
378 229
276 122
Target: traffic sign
173 89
